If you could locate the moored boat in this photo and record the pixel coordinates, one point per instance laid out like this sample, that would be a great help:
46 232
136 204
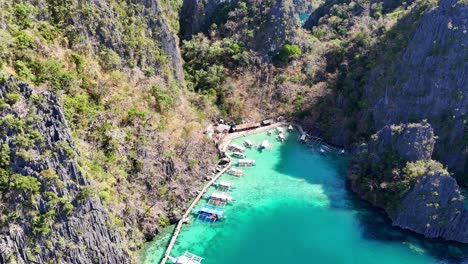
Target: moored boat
264 145
238 155
245 163
235 172
237 148
248 143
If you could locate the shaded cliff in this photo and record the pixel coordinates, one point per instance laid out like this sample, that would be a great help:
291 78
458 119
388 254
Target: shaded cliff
49 211
395 62
395 171
430 80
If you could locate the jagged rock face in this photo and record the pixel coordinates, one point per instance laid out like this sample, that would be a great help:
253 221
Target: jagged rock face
106 32
412 142
434 208
197 15
394 171
379 162
56 222
430 81
264 32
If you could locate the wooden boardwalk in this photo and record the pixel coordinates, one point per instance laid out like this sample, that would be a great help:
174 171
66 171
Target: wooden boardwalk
222 148
189 210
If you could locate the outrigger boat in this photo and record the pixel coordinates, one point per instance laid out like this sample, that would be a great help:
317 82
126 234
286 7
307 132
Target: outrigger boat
221 196
225 186
237 148
238 155
209 213
281 137
235 172
187 258
279 130
264 145
248 143
303 138
245 163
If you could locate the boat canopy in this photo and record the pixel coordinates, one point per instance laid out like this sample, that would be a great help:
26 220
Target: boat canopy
279 129
221 196
212 211
246 162
225 184
248 143
236 172
238 154
281 136
235 147
187 258
303 137
265 144
290 128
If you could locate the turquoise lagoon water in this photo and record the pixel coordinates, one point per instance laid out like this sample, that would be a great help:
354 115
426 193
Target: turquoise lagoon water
294 207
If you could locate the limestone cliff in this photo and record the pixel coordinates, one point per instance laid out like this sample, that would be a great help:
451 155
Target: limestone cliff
395 171
49 213
430 80
416 69
95 25
264 26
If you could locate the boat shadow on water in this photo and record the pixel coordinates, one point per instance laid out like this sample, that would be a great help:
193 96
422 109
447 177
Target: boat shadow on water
374 224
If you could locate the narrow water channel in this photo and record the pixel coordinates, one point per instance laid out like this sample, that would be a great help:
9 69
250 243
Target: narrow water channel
294 207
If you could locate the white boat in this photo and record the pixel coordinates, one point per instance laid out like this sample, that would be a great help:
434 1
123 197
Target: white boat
225 186
264 145
238 154
279 130
221 196
290 128
303 138
235 172
187 258
245 163
248 143
281 137
235 147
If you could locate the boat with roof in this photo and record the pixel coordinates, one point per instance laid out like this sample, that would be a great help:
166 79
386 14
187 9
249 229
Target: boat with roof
264 145
225 186
281 137
235 172
245 163
238 155
209 213
248 143
186 258
237 148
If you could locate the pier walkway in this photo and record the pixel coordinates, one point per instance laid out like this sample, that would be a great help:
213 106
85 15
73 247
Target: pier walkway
222 149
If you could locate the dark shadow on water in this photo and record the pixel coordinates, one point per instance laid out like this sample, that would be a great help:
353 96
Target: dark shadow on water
374 224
